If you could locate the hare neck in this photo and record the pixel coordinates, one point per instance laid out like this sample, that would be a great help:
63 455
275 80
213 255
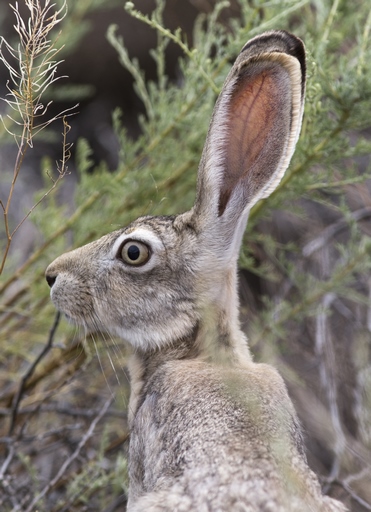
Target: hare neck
219 336
214 340
143 364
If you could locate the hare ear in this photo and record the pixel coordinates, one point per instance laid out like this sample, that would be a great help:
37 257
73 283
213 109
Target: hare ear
253 131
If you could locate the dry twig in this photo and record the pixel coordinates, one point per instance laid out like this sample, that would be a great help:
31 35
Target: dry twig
33 73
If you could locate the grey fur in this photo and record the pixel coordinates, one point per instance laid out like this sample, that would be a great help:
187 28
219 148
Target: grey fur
210 429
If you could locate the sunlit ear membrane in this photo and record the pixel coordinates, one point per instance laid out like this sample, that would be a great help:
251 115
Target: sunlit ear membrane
254 129
258 123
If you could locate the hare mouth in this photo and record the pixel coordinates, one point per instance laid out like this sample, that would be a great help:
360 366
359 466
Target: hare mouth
70 319
81 322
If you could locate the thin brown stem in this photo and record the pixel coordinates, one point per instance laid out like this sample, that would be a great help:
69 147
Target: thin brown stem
30 372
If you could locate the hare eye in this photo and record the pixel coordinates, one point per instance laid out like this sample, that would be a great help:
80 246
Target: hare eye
134 253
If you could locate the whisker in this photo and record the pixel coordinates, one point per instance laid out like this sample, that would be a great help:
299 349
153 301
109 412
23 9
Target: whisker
92 335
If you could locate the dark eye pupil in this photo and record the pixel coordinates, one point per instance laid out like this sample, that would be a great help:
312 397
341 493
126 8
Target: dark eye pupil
133 252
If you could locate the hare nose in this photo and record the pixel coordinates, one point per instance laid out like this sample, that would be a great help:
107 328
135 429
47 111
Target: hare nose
50 279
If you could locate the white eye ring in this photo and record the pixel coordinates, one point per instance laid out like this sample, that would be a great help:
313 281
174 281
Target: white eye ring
133 252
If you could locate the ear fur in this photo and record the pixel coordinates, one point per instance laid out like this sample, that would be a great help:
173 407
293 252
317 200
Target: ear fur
253 132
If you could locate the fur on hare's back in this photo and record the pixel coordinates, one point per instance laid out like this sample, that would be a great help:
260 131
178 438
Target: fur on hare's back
209 438
210 429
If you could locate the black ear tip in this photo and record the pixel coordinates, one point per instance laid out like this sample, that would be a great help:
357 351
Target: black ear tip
277 41
295 47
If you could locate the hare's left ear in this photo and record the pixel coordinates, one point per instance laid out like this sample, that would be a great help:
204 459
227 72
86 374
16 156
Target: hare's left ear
253 132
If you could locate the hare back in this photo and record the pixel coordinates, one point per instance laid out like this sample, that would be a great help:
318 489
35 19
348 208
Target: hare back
211 438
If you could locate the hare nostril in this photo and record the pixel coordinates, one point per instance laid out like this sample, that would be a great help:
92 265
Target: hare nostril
50 280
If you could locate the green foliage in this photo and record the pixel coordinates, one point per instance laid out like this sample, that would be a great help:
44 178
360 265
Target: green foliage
308 243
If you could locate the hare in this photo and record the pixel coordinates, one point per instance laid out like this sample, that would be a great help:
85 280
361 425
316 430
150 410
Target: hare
210 429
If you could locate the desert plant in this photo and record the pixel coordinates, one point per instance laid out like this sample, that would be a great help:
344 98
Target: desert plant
32 68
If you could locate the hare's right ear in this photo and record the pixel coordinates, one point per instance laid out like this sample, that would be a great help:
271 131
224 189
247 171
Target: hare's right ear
252 135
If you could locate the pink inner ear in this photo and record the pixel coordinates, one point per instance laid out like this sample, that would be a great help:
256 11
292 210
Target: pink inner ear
259 119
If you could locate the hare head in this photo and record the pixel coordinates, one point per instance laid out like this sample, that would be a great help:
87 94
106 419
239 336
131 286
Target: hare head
163 280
